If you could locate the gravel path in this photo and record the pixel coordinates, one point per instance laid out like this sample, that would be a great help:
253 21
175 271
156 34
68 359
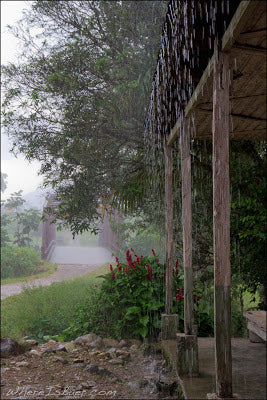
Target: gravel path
97 256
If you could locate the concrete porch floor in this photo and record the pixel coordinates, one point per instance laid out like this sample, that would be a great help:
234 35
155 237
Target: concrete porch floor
248 366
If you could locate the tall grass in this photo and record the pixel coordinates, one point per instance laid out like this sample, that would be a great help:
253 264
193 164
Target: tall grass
48 309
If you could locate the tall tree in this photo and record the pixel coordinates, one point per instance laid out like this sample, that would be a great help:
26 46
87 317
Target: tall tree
76 102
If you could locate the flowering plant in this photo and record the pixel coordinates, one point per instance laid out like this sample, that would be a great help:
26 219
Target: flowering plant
137 290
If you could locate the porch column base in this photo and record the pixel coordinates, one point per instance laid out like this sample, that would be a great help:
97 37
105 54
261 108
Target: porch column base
169 326
187 354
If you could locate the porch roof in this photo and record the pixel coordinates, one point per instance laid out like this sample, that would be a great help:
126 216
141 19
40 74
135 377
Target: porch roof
245 42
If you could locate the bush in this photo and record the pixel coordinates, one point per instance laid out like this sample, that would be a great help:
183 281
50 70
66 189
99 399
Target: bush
129 302
18 261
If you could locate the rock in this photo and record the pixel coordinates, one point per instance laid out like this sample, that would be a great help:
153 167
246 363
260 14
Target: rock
124 343
167 386
86 339
52 347
110 342
4 370
104 355
10 347
135 342
116 361
27 344
124 355
70 346
86 385
134 347
112 350
36 353
60 359
22 364
94 369
96 344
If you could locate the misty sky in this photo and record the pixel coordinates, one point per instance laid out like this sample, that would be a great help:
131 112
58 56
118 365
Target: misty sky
21 174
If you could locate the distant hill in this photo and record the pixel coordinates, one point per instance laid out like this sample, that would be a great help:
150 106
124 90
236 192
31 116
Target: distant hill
35 199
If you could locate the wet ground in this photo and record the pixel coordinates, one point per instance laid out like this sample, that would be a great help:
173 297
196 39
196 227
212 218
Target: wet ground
75 261
249 369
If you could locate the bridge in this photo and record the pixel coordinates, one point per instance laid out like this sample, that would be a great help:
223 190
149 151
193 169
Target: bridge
107 240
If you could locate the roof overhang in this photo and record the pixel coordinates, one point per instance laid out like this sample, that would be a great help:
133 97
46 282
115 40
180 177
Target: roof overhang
245 42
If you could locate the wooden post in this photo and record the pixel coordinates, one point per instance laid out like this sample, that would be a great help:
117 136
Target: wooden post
168 226
221 227
187 227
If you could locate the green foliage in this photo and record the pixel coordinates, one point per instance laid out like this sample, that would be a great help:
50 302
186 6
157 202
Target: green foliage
129 302
77 101
46 309
5 221
25 221
248 222
18 261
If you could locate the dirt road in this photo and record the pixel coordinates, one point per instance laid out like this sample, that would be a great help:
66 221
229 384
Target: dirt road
94 256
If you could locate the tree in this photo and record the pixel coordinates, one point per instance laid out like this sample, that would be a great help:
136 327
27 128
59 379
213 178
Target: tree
25 221
77 101
3 182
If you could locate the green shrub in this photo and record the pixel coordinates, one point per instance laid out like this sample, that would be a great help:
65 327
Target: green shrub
129 302
18 261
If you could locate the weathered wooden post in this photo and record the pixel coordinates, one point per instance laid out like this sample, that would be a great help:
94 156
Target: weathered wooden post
169 320
187 227
221 227
187 347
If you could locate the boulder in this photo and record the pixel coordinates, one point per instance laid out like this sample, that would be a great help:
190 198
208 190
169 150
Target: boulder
110 342
86 339
52 347
124 355
10 347
22 364
96 344
28 344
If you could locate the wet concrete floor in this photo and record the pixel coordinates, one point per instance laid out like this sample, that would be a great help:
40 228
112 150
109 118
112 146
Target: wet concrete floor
248 366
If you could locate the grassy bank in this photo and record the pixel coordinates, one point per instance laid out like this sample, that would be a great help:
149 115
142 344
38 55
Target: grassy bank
45 269
46 310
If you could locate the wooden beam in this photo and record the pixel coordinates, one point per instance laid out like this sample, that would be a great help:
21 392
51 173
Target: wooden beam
187 227
168 226
242 14
258 33
242 116
221 228
249 49
174 133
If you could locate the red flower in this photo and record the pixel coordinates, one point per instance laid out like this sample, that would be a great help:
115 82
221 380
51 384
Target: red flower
176 270
153 252
198 297
118 264
112 272
180 294
149 275
95 285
